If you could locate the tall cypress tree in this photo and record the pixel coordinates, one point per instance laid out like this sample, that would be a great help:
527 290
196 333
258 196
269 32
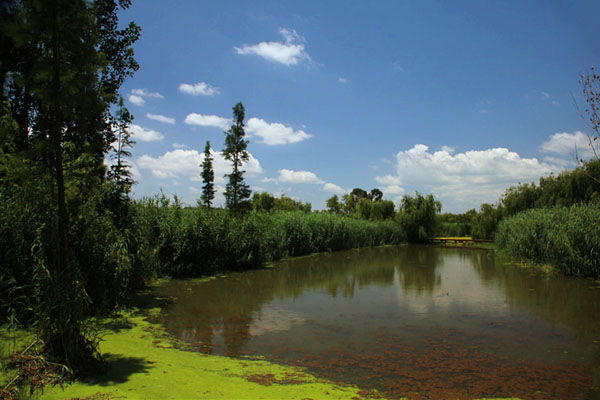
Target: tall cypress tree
237 192
208 177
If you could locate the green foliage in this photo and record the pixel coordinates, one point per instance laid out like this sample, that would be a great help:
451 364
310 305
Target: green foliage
334 205
198 241
375 210
455 225
267 202
65 63
566 237
418 215
237 192
581 185
362 204
376 195
484 223
263 201
208 178
284 203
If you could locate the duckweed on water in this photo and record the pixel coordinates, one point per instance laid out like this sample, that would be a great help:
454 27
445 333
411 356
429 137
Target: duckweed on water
143 363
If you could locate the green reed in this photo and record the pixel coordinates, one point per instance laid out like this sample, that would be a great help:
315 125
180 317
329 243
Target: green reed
566 237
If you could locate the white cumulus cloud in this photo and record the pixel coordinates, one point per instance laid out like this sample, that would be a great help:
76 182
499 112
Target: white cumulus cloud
290 176
388 180
200 88
146 93
289 52
207 120
463 180
181 163
275 133
333 188
144 135
161 118
569 144
393 190
137 100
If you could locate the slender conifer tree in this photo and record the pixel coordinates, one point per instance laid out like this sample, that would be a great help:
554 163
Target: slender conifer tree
208 178
237 192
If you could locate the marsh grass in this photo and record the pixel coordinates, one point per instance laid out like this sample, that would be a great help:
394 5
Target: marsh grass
565 237
198 241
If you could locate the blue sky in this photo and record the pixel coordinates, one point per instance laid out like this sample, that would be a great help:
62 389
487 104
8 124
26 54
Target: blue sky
460 99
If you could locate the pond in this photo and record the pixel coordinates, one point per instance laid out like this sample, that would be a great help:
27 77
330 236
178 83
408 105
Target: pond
420 322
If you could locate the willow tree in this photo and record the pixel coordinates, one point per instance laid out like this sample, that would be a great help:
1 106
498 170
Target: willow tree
237 192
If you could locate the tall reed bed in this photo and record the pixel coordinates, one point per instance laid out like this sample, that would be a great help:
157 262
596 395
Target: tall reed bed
566 237
197 241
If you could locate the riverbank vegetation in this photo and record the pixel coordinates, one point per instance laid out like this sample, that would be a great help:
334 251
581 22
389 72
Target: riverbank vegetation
552 222
578 186
565 237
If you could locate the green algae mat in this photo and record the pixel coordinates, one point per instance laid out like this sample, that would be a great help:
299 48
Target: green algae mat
144 364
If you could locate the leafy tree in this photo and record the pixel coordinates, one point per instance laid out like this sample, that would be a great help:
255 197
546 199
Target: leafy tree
263 201
418 215
65 62
382 210
208 177
237 192
359 194
349 204
267 202
284 203
376 195
334 205
486 221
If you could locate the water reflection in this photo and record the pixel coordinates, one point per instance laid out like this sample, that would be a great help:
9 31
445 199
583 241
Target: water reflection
411 310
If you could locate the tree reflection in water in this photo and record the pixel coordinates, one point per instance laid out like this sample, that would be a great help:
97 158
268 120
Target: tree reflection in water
403 319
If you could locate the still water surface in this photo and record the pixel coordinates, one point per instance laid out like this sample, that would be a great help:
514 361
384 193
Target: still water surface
416 321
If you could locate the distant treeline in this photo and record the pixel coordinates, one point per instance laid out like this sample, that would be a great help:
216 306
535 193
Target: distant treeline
581 185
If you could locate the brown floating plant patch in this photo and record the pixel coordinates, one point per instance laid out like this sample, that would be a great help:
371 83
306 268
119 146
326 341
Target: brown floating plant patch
447 364
270 379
